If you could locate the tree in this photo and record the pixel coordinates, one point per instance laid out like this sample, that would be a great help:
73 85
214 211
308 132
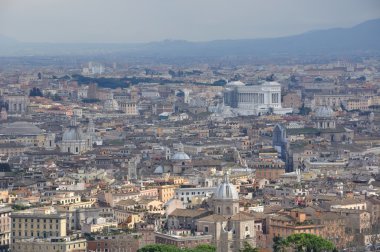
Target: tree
303 242
170 248
56 97
277 243
201 248
158 248
304 110
35 92
270 78
248 248
220 82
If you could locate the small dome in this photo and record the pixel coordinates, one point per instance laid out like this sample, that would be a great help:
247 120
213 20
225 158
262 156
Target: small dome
73 133
324 111
180 156
159 170
226 190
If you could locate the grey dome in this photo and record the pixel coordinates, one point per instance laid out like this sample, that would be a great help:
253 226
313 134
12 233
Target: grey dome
226 190
159 170
324 111
180 156
73 133
19 129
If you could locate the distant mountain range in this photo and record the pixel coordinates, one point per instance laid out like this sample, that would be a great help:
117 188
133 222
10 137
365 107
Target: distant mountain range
364 37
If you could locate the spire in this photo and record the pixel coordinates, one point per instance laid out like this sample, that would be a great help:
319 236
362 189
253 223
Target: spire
226 177
91 126
73 121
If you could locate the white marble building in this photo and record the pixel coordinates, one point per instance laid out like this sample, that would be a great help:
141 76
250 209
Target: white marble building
255 99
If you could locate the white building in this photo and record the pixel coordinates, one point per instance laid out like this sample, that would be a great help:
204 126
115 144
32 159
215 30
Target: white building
255 99
186 194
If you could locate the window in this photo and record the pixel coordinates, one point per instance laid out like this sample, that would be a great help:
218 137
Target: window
206 229
246 228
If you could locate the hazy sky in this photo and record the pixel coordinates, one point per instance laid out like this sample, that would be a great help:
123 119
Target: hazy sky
153 20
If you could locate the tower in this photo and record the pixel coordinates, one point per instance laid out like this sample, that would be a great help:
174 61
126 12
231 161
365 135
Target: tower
226 198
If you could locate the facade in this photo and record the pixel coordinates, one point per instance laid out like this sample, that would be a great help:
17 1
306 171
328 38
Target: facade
65 244
324 118
17 104
280 143
180 163
229 227
166 192
74 141
5 228
186 194
254 100
128 107
333 101
357 104
294 223
292 100
37 223
24 133
269 168
181 240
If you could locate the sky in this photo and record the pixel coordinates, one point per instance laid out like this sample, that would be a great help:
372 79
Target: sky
130 21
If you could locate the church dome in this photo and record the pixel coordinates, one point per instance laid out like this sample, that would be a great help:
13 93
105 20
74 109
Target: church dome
324 111
180 156
73 133
226 190
19 129
159 170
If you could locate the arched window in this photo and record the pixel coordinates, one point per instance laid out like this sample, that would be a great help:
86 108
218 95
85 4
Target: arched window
218 210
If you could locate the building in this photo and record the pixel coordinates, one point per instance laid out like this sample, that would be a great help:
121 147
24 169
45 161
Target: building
5 228
53 244
166 192
269 168
93 225
292 100
333 101
180 163
17 104
24 133
121 242
187 193
255 99
74 141
373 206
229 227
295 222
182 239
37 223
128 107
357 104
